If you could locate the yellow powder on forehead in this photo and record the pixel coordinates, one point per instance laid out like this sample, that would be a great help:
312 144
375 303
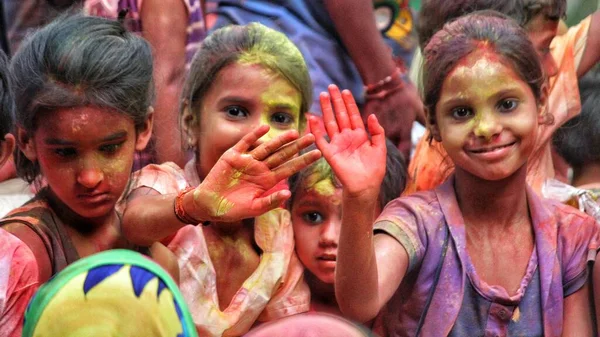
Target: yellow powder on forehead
319 184
324 187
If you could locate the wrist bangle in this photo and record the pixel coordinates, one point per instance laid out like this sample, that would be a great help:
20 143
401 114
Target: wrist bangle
376 87
180 213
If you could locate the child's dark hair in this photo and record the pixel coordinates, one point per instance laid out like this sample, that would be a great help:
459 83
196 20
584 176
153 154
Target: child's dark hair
473 32
79 61
578 140
7 104
253 44
435 13
392 186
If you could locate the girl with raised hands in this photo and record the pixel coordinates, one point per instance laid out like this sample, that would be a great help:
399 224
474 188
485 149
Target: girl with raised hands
482 254
242 109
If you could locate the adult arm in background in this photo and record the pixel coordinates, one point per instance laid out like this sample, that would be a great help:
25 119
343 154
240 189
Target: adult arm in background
355 23
165 27
591 54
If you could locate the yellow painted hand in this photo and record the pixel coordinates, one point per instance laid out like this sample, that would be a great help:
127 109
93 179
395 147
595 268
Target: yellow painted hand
357 160
235 187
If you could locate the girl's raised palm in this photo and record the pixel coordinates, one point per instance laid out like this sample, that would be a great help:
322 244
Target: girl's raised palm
357 160
239 184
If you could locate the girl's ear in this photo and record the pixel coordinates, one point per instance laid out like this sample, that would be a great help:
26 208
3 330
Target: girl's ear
144 135
188 123
544 116
6 148
26 144
432 126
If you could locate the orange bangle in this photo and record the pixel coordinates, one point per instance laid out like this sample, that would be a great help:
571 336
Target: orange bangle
180 213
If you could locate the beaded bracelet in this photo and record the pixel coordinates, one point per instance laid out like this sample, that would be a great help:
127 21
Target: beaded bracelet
376 87
180 213
381 94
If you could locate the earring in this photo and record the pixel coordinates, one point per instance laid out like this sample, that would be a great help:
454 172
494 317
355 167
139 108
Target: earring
190 143
547 117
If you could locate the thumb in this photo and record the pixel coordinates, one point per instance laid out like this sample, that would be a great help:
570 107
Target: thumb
376 131
271 201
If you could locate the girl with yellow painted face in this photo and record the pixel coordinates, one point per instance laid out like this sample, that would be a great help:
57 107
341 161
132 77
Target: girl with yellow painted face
242 108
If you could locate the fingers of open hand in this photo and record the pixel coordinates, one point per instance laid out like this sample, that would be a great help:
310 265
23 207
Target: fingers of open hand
376 131
356 121
329 121
272 146
271 201
290 167
316 130
250 139
339 107
288 151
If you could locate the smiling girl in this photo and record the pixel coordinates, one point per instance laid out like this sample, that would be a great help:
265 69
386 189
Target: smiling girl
83 110
243 105
482 254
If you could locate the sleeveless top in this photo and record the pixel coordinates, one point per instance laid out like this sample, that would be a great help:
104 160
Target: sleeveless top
40 218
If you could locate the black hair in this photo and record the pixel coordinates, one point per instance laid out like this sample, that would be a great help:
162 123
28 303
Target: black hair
578 140
435 13
7 104
464 36
80 61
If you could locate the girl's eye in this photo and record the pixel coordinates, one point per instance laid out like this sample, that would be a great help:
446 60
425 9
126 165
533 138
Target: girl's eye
507 105
110 148
282 118
65 152
236 112
461 113
313 217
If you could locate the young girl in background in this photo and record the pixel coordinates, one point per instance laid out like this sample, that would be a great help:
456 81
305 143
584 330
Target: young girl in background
316 210
18 279
242 108
83 89
481 254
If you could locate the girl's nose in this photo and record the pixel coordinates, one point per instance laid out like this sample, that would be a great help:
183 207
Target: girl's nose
486 126
330 233
90 177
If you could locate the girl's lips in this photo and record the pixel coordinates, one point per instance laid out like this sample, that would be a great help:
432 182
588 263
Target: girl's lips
94 198
491 148
493 153
327 257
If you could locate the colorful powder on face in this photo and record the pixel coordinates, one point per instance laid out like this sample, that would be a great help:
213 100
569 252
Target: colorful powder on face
321 179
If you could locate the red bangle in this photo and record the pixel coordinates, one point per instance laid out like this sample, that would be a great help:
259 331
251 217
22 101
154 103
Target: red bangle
180 213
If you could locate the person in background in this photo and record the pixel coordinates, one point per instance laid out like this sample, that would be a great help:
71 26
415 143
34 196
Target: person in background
19 276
